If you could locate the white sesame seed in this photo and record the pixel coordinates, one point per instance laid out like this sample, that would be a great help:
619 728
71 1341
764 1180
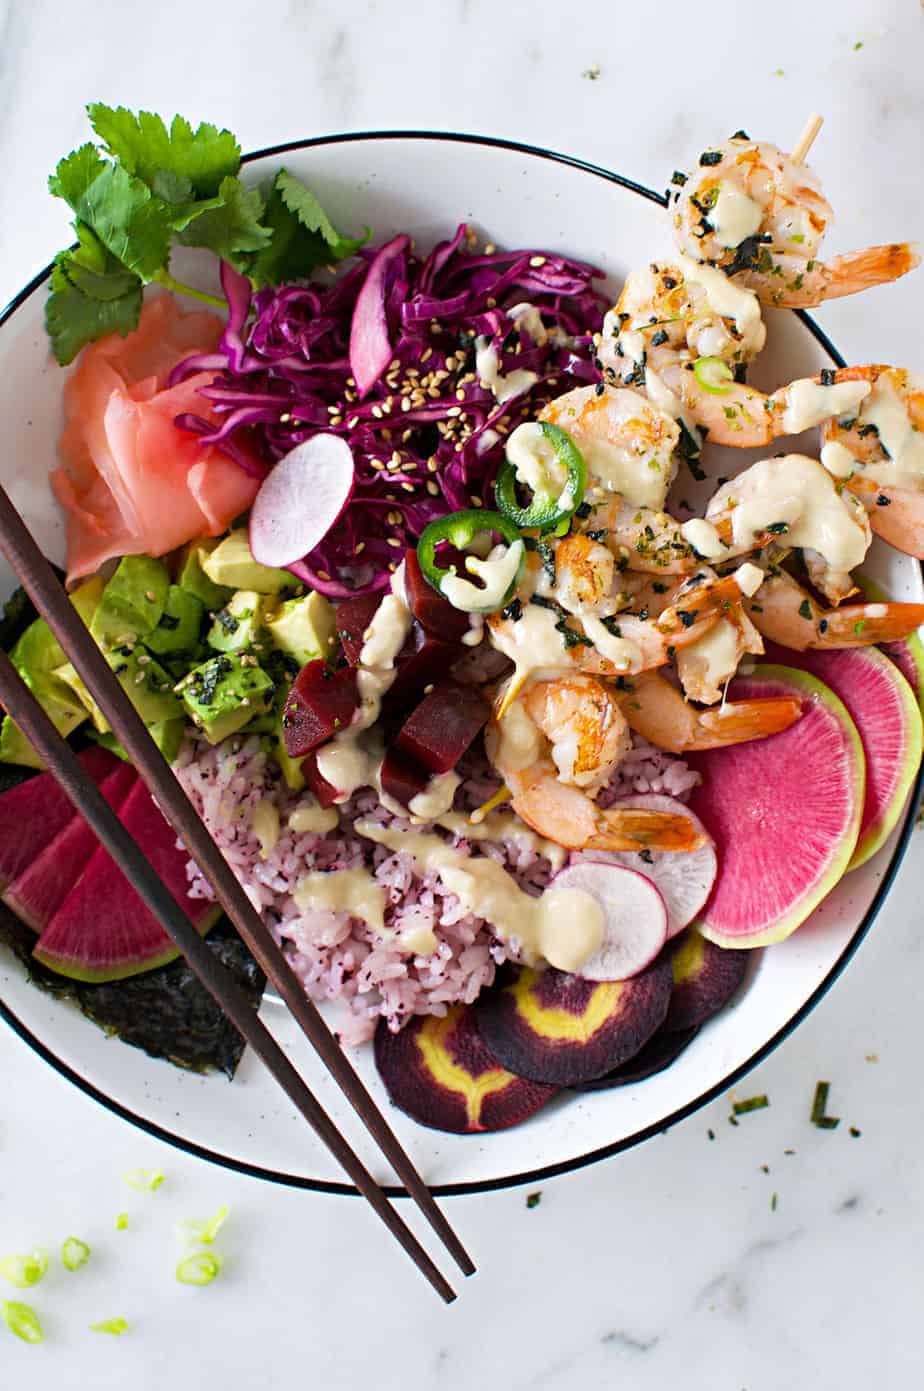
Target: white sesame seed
432 488
454 411
323 575
537 260
432 464
359 547
489 248
408 487
376 464
393 541
460 395
426 354
476 500
405 403
377 412
353 422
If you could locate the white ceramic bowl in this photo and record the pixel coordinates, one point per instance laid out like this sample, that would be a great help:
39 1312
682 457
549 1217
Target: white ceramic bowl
519 196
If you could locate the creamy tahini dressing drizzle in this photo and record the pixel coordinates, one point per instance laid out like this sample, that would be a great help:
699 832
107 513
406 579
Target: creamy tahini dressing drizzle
734 216
627 443
497 573
728 300
837 459
660 395
704 538
352 891
563 926
796 490
509 830
808 403
904 444
265 824
487 366
437 799
535 461
309 816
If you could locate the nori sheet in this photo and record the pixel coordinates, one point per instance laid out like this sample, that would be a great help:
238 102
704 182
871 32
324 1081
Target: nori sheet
165 1012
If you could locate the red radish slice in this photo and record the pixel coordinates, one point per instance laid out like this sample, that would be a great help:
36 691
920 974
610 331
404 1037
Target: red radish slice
684 880
784 812
300 500
635 918
885 711
370 350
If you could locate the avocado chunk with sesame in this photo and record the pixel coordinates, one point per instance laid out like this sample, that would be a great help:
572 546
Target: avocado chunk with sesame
225 693
192 579
62 707
131 603
179 625
237 625
167 735
306 628
231 563
148 686
37 649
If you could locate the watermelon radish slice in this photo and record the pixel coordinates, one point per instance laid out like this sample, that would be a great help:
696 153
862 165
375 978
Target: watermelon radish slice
784 812
683 879
883 707
35 811
300 500
634 918
103 931
37 893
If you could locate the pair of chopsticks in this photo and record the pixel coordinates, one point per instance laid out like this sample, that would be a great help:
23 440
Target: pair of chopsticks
46 592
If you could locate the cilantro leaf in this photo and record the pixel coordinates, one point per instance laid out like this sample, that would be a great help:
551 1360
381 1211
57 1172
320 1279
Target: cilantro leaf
198 160
95 271
228 224
119 208
303 237
74 318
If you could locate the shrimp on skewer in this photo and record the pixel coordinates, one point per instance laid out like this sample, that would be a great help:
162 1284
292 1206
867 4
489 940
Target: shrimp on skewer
784 612
684 334
658 711
879 452
554 743
760 217
641 538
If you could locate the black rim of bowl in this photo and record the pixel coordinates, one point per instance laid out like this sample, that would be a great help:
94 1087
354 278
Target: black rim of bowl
545 1171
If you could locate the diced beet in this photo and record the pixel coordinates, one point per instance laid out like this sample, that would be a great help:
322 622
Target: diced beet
402 777
443 726
324 791
320 703
423 660
430 608
353 619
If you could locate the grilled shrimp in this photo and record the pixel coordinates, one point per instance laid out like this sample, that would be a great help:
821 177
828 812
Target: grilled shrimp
760 217
684 334
629 445
552 737
790 502
658 711
879 452
784 612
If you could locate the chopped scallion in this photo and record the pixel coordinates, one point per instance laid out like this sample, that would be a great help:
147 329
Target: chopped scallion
121 1221
198 1269
21 1320
74 1253
116 1327
144 1180
23 1271
819 1114
206 1231
750 1103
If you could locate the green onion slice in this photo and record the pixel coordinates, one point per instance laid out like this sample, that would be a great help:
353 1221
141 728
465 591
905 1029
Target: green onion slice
144 1180
198 1269
713 375
121 1221
21 1320
116 1327
206 1231
74 1253
23 1271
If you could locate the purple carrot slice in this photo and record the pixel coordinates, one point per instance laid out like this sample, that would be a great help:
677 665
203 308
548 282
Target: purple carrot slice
444 725
37 894
659 1052
441 1073
320 704
35 811
705 978
560 1029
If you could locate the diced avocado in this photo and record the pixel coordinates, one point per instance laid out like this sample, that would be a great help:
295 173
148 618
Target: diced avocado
192 578
238 624
144 681
59 703
231 563
86 597
291 767
132 601
37 649
306 628
168 736
225 693
72 678
179 625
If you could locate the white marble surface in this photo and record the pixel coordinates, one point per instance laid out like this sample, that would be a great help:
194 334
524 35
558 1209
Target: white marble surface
667 1265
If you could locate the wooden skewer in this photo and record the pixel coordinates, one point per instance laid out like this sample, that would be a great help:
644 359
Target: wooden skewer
46 592
807 139
21 705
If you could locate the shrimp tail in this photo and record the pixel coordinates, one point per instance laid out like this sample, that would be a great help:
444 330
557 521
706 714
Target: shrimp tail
624 828
739 722
876 265
862 625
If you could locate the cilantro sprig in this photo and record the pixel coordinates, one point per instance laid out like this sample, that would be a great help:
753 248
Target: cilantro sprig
145 188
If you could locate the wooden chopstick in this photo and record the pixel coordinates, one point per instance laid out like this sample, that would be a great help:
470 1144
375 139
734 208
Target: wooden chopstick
20 703
48 595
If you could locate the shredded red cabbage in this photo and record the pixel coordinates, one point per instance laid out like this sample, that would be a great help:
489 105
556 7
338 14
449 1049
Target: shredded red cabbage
427 437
